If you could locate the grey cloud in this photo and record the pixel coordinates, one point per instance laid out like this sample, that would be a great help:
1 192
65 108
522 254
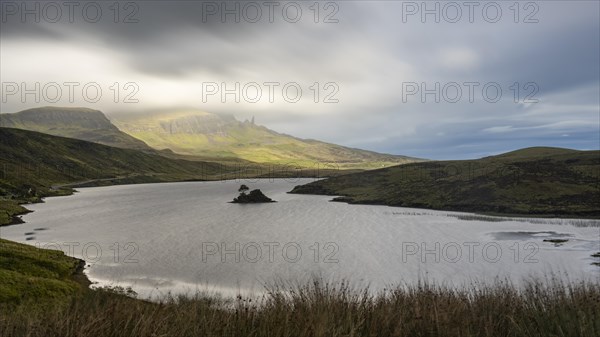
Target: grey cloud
370 52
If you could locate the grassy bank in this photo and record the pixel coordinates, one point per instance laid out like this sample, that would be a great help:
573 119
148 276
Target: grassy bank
9 209
546 182
41 295
32 275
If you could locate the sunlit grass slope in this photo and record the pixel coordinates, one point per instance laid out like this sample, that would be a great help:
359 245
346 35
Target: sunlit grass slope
222 136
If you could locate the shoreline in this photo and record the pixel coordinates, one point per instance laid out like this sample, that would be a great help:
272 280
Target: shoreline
81 277
348 200
17 218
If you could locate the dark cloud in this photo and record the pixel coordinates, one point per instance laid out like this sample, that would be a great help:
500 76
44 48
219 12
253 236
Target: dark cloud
369 53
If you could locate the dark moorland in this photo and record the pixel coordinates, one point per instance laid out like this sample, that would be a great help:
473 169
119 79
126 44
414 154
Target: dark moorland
535 181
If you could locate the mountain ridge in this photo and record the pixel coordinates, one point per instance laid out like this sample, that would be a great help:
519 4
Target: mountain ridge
79 123
203 135
225 136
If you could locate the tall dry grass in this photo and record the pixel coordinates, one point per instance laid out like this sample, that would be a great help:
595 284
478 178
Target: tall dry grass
540 308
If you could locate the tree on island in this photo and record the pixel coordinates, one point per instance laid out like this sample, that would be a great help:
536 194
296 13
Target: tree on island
243 189
255 196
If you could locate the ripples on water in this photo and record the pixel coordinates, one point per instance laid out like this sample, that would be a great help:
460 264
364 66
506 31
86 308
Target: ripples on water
183 237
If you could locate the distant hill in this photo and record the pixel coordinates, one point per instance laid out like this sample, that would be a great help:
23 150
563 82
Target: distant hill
35 165
78 123
201 135
222 136
533 181
40 161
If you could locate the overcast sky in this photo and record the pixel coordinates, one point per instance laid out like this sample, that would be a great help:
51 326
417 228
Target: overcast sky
370 59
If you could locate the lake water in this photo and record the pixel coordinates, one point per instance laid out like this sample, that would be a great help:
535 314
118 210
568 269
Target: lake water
184 237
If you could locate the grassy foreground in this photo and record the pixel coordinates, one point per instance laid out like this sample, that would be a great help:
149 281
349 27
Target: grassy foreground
29 274
61 306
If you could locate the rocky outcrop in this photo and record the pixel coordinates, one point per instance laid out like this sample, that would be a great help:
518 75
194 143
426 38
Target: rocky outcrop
254 197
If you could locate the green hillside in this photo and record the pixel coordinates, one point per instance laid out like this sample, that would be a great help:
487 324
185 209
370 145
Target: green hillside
35 165
532 181
221 136
196 135
41 161
78 123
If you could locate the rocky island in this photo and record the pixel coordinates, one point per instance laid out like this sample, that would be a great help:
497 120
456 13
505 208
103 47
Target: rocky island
254 197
